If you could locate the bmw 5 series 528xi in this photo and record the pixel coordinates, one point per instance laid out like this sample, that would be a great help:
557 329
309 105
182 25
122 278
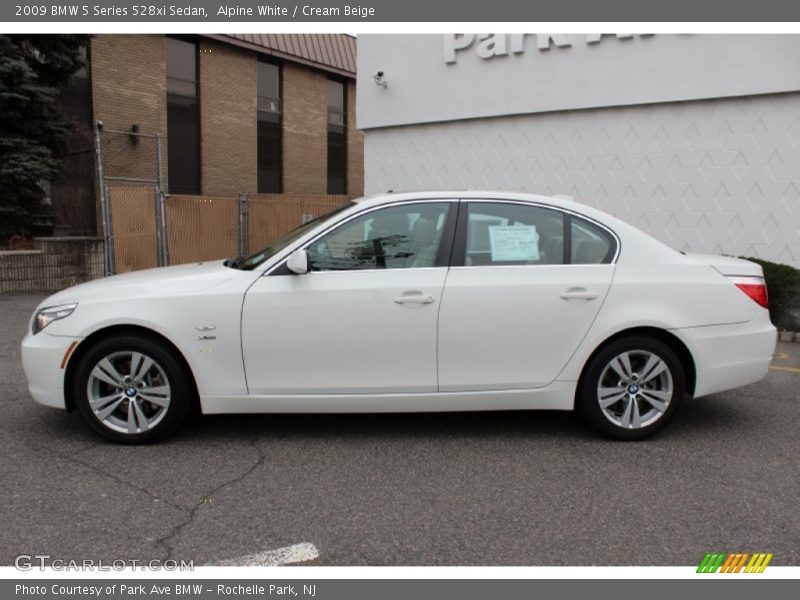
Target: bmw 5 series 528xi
437 301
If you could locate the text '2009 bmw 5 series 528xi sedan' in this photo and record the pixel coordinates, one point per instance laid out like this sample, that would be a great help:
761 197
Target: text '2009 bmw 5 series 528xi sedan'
412 302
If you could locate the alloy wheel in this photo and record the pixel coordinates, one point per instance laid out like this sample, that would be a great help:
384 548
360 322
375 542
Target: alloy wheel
128 392
635 389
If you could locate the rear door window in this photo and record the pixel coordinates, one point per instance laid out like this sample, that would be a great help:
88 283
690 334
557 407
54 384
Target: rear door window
508 233
590 244
513 234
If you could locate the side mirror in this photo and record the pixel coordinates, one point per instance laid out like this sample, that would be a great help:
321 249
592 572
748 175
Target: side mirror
298 262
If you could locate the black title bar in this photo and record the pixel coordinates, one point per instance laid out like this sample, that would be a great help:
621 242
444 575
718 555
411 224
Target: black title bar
200 11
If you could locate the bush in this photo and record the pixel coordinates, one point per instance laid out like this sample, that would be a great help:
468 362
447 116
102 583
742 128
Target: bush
783 285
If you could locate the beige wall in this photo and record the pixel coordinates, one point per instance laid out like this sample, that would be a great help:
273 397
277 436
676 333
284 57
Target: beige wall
129 81
228 132
129 88
305 130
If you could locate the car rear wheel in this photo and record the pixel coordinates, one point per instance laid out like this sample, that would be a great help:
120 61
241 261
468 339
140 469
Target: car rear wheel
131 390
631 388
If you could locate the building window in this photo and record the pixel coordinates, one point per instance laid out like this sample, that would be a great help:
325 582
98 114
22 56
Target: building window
183 118
270 157
337 145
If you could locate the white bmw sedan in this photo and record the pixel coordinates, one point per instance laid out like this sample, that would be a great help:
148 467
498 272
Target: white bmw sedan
437 301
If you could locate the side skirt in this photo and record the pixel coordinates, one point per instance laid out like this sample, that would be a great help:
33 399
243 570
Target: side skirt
559 395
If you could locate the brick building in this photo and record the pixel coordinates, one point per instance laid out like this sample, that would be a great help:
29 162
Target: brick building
235 113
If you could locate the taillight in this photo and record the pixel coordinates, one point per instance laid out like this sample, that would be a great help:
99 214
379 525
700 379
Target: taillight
755 287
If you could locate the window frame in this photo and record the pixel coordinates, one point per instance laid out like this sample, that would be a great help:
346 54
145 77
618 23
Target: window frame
459 247
443 256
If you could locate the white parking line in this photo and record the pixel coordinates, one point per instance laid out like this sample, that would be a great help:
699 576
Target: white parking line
273 558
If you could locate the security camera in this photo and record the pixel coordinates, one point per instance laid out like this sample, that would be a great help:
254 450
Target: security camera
379 80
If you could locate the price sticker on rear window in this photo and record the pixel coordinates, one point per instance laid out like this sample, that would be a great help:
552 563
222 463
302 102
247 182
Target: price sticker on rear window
514 243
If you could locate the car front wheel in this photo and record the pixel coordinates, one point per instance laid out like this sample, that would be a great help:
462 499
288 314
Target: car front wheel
131 390
631 388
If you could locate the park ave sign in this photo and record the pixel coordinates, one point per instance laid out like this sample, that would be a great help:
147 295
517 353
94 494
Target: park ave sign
493 45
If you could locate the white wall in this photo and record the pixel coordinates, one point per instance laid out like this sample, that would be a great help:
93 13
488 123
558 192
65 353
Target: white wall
573 72
719 176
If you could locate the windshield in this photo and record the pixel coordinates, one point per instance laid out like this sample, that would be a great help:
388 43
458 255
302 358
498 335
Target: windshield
252 261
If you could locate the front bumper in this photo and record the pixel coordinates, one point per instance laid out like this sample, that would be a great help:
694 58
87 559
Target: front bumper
42 357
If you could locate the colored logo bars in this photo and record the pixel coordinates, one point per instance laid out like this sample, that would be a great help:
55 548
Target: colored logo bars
734 562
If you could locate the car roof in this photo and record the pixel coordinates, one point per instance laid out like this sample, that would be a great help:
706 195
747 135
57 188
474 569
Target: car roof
555 201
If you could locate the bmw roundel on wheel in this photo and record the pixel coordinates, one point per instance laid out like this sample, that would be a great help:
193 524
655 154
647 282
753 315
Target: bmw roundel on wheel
436 301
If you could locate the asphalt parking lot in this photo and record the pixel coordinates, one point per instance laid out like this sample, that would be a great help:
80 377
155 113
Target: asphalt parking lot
449 489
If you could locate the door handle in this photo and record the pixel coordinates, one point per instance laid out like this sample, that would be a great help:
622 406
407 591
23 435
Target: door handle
414 298
579 293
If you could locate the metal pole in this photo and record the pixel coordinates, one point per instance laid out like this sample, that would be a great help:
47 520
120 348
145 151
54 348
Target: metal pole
162 212
157 214
98 149
162 207
244 219
239 234
246 223
158 160
112 267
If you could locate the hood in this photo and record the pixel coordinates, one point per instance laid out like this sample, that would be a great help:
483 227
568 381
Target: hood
179 279
728 265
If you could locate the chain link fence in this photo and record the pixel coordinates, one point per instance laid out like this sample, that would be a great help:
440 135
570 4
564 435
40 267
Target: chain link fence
133 218
145 228
211 227
201 228
271 215
131 202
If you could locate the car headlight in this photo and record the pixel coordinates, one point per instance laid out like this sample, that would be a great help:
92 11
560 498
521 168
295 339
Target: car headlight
49 314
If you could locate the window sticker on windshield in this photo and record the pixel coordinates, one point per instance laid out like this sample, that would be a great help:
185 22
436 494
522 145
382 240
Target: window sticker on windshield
515 242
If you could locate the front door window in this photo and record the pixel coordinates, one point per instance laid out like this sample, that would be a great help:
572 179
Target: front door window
397 237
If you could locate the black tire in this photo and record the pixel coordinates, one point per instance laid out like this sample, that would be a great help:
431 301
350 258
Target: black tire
587 401
167 366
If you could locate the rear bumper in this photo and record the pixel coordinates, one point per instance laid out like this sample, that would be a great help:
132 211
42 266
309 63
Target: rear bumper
730 356
42 356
